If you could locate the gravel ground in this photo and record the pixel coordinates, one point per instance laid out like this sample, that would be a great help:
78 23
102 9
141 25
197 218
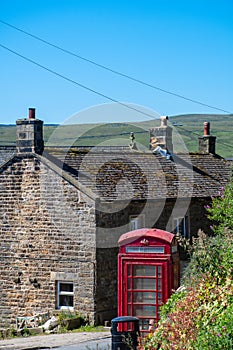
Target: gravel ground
51 340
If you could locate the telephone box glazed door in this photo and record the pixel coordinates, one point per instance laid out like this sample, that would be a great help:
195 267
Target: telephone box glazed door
144 291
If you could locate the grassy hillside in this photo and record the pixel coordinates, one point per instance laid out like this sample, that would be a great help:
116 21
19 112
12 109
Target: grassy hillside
188 126
7 134
221 126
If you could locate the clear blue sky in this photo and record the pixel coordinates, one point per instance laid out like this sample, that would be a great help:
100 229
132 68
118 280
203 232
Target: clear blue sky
185 47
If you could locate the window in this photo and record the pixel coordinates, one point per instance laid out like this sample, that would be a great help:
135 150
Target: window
154 250
136 222
182 226
65 295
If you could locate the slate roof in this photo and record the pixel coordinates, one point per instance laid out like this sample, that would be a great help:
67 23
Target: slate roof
121 173
118 173
6 152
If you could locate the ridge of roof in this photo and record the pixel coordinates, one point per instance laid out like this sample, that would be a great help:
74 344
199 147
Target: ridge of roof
209 172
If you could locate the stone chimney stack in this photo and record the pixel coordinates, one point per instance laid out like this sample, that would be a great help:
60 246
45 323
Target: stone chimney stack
29 134
161 136
207 142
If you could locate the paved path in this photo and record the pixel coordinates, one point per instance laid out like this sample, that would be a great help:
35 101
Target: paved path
101 344
51 340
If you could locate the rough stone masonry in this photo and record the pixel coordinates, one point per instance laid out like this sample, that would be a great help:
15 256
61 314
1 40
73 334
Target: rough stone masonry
43 240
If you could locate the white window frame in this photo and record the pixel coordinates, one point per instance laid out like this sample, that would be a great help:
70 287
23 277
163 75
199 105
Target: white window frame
59 293
184 221
136 222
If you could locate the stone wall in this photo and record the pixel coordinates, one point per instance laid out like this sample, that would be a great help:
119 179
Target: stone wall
155 213
47 233
106 288
110 226
198 216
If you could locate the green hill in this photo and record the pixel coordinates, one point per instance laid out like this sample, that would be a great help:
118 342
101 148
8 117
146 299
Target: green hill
221 126
188 126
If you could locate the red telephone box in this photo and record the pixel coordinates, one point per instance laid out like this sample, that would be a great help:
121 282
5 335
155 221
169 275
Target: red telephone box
148 271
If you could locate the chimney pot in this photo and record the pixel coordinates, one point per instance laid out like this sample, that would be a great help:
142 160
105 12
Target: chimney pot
163 120
161 136
31 113
207 142
29 134
206 128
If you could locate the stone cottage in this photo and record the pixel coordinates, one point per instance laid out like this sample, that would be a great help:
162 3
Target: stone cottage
63 210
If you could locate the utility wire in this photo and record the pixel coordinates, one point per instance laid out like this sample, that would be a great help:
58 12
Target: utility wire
77 83
94 91
146 131
114 71
198 134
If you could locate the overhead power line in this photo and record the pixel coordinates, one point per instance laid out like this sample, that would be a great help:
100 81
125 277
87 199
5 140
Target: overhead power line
112 70
77 83
198 134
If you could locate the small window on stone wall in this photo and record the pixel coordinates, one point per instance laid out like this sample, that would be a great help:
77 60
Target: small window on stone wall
136 222
182 226
65 295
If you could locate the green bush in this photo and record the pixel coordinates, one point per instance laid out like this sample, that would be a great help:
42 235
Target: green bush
203 312
200 317
170 306
212 255
221 210
68 315
218 335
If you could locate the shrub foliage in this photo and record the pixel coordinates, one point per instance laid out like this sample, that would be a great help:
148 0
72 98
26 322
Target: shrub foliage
200 314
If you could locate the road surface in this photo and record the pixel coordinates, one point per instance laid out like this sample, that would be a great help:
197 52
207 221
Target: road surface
56 341
101 344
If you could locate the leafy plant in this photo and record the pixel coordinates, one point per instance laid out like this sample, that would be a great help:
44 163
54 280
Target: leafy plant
25 332
221 210
170 306
219 334
68 315
10 332
90 328
200 317
202 313
212 255
69 320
